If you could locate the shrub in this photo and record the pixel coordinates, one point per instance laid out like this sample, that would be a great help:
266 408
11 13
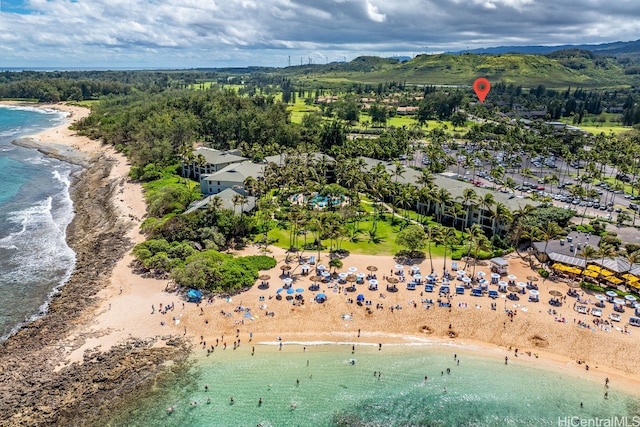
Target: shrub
543 273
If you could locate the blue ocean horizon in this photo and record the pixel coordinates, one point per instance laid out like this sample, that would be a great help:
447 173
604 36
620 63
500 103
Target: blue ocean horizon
35 210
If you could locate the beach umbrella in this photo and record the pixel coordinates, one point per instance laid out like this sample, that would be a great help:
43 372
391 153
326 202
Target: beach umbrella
417 276
512 277
618 301
415 268
392 280
482 274
360 275
461 272
287 280
513 289
321 267
290 291
600 297
611 294
351 278
305 267
299 290
521 285
573 284
555 293
373 282
466 279
321 298
482 281
352 269
495 276
532 278
285 267
372 268
630 298
399 267
343 275
502 283
315 278
534 292
264 277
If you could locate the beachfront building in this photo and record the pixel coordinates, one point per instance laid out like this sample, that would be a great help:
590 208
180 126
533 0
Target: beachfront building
206 161
480 205
567 250
232 177
229 199
320 161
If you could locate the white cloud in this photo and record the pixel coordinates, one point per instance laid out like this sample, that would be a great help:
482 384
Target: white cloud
374 14
185 33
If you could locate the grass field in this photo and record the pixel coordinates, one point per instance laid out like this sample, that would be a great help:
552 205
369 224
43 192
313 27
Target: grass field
598 124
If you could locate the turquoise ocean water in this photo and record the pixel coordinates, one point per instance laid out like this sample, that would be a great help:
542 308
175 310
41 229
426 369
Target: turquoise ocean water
35 210
327 385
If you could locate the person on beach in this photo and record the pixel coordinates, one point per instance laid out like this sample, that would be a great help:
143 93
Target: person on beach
153 308
260 401
506 360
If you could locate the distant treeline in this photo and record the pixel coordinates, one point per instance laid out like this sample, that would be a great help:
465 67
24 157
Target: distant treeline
59 86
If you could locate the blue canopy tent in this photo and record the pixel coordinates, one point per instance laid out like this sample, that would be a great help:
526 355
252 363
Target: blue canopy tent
194 295
321 298
360 297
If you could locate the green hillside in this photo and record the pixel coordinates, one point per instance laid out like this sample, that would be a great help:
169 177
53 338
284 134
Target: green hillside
560 69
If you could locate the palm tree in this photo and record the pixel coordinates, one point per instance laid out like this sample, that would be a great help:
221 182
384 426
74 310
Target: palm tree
446 236
606 250
478 241
500 216
430 231
469 200
550 231
588 252
443 198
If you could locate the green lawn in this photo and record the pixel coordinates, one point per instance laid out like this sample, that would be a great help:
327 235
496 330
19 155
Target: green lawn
386 234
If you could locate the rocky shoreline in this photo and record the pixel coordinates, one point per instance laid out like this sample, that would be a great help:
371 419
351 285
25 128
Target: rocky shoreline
36 387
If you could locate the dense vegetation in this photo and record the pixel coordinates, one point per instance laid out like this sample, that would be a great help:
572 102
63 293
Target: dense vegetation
158 118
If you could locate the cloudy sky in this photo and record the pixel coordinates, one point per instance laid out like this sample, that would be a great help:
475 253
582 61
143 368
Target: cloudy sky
220 33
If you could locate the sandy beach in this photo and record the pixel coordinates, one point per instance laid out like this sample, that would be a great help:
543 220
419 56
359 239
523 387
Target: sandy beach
127 300
127 306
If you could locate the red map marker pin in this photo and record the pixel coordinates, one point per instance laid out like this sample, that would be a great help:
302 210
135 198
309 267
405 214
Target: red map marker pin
481 87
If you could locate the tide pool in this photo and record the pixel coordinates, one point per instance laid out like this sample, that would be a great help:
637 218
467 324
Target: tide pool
327 385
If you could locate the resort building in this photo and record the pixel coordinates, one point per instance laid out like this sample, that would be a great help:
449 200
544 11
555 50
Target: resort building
231 177
209 160
230 199
475 212
567 250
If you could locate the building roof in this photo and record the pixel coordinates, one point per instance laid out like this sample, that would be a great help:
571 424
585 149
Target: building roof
454 185
227 202
617 264
217 157
563 246
237 172
499 261
279 159
566 259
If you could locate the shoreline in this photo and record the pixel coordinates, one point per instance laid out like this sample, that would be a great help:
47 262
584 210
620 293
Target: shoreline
117 309
32 390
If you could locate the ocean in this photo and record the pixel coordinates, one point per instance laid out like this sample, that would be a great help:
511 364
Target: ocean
35 209
328 385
